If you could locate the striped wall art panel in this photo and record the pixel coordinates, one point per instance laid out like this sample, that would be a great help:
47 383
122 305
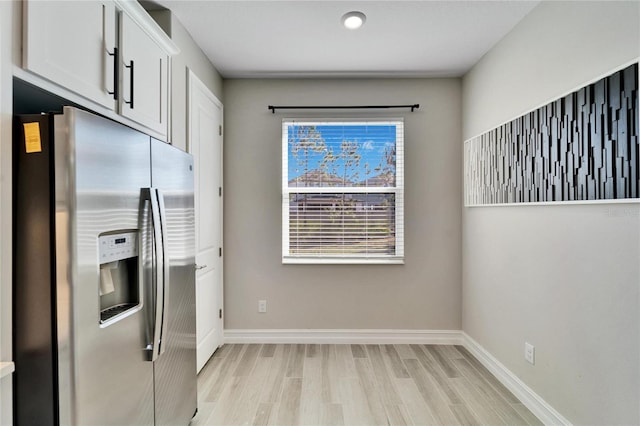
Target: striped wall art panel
584 146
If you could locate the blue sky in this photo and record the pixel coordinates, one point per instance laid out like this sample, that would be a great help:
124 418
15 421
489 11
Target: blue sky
371 140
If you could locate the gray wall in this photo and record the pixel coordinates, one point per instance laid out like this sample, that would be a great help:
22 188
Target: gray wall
565 278
557 48
425 293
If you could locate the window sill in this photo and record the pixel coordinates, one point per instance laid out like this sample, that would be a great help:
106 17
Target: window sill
343 261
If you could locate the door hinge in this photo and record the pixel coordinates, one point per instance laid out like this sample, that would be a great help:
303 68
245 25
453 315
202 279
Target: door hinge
220 191
220 130
220 313
220 251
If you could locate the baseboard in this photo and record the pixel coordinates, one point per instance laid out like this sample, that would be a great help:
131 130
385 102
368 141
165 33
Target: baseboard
538 406
433 337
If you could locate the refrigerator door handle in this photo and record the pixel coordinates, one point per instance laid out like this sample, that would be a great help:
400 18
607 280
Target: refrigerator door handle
165 266
158 272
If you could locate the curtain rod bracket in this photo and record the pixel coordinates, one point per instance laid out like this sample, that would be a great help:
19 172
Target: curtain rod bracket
273 108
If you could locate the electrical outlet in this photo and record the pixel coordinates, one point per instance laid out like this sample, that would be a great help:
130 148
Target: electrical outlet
262 306
530 353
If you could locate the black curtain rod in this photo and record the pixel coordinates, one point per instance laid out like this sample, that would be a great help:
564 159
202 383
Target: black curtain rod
273 108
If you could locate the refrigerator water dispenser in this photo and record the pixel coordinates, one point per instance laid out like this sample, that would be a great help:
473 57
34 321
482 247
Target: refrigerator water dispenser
119 278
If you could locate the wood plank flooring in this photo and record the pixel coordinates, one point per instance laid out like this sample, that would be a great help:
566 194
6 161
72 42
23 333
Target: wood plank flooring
287 385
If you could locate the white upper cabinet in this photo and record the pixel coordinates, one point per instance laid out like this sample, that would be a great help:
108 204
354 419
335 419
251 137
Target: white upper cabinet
109 52
144 77
72 43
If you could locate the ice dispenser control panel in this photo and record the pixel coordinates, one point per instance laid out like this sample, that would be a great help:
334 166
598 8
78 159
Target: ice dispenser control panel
117 246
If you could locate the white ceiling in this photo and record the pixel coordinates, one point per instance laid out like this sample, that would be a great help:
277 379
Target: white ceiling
305 38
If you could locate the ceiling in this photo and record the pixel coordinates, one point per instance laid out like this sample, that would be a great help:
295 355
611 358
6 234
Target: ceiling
305 38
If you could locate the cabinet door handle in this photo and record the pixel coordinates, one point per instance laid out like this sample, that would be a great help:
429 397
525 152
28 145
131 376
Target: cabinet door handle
115 73
130 102
198 267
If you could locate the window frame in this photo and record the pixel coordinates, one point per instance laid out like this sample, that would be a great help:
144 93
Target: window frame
397 190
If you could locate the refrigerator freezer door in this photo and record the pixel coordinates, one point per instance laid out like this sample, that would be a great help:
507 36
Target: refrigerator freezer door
175 369
100 167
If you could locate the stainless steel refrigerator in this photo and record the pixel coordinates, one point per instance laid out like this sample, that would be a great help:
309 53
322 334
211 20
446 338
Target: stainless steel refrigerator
104 284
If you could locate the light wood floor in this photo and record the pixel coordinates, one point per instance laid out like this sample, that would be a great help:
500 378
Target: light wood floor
352 385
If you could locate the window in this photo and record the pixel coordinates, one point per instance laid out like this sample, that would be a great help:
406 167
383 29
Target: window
342 191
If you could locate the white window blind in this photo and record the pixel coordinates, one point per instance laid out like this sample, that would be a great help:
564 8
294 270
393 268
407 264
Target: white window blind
342 191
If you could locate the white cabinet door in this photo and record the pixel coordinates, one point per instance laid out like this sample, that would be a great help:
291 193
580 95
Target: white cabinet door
145 67
71 43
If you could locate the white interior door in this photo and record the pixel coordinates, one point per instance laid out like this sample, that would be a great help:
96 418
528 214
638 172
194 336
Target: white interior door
205 143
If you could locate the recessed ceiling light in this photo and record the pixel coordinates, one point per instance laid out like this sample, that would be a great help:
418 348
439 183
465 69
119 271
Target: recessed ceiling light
353 20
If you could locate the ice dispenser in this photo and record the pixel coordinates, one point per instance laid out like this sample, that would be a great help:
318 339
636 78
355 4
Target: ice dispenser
119 277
